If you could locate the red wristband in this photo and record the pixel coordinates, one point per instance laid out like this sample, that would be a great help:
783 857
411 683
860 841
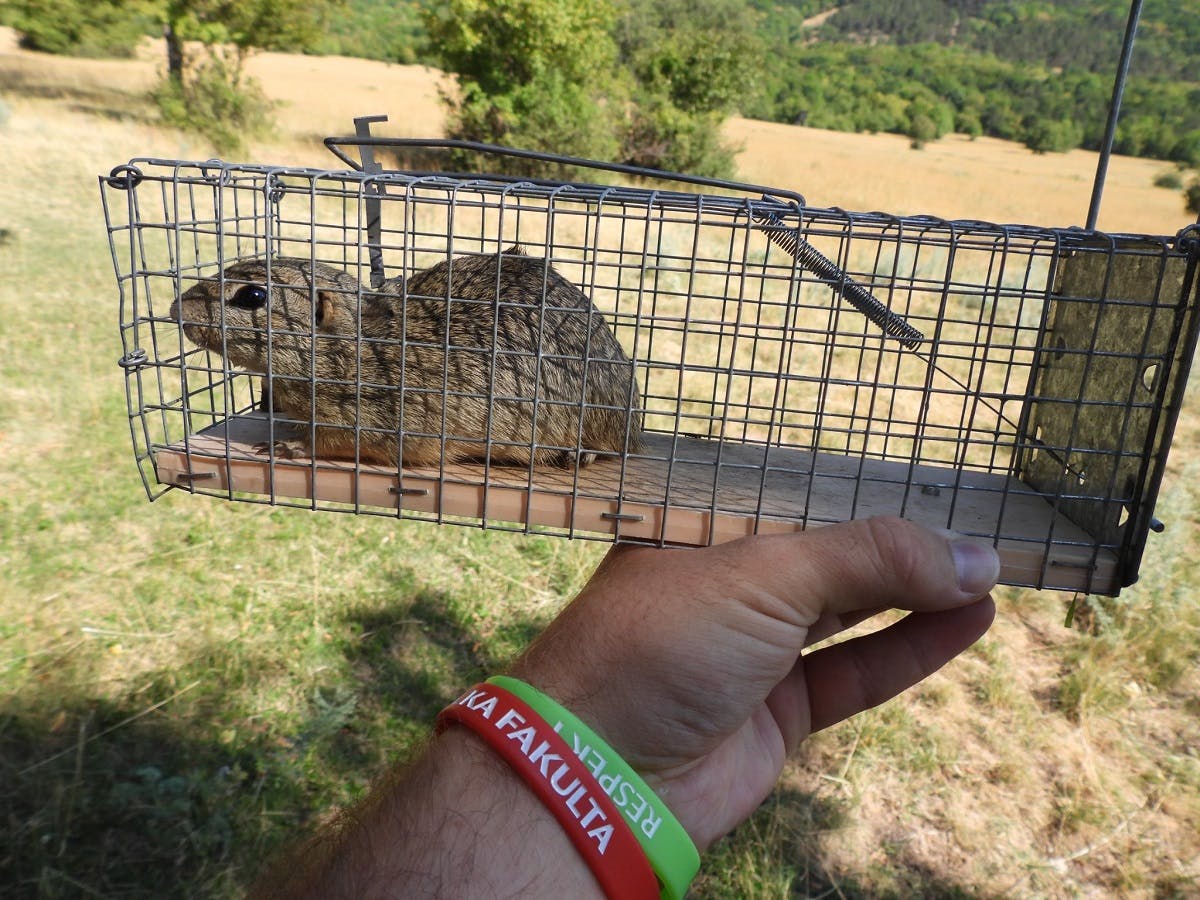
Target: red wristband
568 788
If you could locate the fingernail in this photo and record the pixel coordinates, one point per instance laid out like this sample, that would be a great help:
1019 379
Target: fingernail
977 565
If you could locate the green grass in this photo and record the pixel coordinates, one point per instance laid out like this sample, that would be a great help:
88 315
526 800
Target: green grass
186 685
1147 639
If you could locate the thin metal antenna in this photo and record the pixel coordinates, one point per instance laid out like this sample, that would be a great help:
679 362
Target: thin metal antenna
1114 111
362 128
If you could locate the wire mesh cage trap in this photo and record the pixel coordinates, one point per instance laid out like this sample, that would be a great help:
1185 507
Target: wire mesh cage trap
626 363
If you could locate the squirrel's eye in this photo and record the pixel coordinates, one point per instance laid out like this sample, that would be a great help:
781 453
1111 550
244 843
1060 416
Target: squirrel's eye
250 296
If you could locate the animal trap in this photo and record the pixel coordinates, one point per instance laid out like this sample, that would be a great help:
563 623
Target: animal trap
624 363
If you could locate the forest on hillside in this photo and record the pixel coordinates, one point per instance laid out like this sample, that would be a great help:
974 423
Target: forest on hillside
1068 34
1035 71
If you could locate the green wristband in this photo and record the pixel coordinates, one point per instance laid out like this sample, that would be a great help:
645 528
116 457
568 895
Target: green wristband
672 855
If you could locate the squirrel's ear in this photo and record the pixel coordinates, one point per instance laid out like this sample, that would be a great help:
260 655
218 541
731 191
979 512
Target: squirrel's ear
326 308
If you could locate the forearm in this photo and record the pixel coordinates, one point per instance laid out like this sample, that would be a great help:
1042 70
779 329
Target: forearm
689 666
457 823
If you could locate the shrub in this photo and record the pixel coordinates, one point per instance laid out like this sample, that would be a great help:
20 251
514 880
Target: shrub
1171 180
662 136
218 102
1187 151
968 123
921 129
1192 197
1053 136
549 113
646 84
78 27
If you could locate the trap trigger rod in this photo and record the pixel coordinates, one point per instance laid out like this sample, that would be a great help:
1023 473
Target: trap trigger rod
1034 443
865 302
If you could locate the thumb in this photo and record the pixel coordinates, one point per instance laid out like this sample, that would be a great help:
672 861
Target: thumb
867 564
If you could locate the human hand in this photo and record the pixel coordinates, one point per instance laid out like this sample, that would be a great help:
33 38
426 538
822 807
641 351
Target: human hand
688 662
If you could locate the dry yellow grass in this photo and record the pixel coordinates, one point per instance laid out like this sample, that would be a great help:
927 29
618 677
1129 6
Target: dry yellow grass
317 95
348 88
954 177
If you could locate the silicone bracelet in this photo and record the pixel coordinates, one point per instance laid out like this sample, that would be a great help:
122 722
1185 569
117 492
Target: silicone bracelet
562 782
668 846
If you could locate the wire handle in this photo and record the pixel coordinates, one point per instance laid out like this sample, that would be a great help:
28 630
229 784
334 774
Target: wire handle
335 143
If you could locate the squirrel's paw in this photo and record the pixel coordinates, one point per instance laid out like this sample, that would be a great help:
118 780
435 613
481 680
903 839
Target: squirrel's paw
570 459
282 449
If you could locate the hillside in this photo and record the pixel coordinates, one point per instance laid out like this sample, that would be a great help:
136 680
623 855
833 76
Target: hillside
1059 34
985 179
1036 72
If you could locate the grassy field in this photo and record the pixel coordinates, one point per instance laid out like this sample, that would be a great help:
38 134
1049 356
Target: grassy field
186 684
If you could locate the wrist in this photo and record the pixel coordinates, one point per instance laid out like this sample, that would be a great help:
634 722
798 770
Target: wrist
667 846
510 844
458 822
617 717
608 713
513 725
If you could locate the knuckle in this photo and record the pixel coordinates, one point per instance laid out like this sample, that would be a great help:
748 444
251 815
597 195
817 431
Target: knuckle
895 551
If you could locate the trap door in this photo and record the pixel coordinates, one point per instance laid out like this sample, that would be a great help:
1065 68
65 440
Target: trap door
1107 384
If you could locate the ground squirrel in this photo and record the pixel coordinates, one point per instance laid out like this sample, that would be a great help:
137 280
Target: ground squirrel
457 352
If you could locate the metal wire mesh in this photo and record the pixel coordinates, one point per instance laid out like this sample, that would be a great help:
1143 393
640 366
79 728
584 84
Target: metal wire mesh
1014 383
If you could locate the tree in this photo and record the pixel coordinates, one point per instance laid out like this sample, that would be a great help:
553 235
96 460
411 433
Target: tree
385 30
81 27
649 86
928 120
288 25
968 123
693 62
659 135
1052 136
703 55
538 74
208 90
922 130
1187 149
